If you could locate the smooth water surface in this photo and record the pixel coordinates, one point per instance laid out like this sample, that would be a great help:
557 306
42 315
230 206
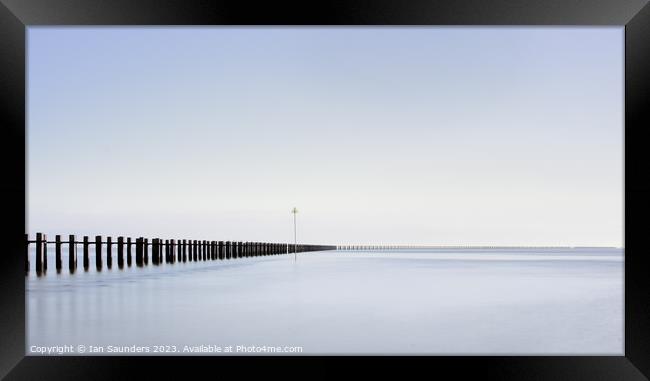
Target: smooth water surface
437 301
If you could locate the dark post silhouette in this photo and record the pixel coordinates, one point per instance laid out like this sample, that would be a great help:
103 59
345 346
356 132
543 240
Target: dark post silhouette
86 253
145 246
57 253
128 251
98 252
109 252
40 237
120 252
139 252
154 251
72 253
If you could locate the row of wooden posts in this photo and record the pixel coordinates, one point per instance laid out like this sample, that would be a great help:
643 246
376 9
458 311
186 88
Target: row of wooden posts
378 247
369 247
162 251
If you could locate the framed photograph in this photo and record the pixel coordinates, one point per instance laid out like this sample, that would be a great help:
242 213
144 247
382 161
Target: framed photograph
459 183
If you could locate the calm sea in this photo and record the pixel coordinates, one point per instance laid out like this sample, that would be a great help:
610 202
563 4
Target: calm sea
452 301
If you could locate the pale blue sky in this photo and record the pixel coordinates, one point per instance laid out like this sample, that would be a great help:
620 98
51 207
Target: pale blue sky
503 136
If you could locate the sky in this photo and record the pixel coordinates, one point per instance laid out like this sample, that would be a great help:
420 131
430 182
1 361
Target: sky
383 135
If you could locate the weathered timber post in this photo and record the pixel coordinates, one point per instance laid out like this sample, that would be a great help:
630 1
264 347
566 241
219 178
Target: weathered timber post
109 252
44 253
98 252
128 251
154 251
195 246
57 253
145 246
120 252
184 250
86 253
139 252
39 253
220 252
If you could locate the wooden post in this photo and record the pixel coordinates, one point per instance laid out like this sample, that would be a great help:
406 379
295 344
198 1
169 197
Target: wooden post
109 252
195 245
205 250
40 237
145 246
98 252
154 251
120 252
72 254
221 253
138 251
184 250
128 251
44 253
168 250
57 253
86 253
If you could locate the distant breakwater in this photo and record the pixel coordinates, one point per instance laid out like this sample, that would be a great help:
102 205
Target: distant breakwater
145 251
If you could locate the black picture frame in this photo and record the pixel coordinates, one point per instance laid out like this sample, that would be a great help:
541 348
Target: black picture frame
17 15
